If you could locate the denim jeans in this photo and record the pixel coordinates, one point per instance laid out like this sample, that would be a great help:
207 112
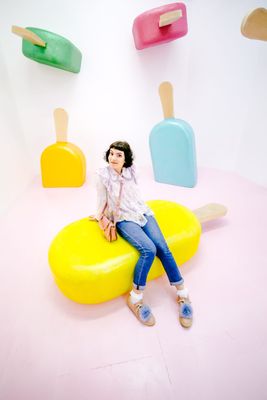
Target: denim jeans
149 241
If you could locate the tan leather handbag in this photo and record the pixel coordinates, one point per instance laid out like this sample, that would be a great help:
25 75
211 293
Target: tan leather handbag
106 225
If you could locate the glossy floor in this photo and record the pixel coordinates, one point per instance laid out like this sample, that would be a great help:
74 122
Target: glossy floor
52 348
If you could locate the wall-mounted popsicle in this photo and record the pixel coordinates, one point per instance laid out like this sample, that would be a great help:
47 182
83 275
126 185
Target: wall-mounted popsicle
160 25
254 24
172 145
49 48
63 164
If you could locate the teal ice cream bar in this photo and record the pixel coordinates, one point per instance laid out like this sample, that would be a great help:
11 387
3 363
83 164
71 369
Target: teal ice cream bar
172 146
49 48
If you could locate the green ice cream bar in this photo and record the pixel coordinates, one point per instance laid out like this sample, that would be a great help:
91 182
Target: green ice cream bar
52 49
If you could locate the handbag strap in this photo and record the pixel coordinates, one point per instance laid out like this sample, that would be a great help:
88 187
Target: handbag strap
117 206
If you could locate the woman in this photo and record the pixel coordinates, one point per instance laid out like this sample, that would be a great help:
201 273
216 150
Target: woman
117 187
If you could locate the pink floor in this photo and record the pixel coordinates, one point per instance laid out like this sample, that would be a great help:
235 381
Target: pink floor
54 349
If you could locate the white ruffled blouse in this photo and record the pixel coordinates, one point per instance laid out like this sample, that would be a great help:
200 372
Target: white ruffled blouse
132 207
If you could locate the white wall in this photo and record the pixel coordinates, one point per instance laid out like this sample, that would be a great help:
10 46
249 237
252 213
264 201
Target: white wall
15 168
219 80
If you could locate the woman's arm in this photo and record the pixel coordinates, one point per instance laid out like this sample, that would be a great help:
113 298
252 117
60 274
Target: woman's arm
101 196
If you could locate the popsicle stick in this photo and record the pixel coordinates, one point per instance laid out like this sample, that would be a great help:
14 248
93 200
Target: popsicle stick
28 35
61 123
166 97
170 17
210 212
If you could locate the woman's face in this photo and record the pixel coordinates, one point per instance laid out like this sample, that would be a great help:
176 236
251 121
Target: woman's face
116 159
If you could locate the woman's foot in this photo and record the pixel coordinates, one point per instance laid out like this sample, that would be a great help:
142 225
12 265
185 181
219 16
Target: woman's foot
185 308
142 312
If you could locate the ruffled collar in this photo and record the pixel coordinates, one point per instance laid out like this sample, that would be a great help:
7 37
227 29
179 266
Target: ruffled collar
127 173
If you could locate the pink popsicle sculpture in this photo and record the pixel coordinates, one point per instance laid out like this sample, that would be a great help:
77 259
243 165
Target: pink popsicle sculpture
160 25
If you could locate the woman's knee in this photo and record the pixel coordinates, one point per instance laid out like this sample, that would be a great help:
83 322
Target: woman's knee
149 250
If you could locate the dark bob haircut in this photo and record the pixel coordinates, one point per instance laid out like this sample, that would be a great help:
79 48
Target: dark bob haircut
125 147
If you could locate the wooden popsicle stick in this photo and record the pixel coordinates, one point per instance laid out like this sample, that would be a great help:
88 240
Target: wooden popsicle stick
61 123
210 212
170 17
28 35
166 97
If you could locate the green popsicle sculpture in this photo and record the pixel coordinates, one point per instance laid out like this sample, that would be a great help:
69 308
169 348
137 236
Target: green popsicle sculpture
49 48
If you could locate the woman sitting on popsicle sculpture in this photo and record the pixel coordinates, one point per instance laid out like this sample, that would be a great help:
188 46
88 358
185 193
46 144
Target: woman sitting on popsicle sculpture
119 197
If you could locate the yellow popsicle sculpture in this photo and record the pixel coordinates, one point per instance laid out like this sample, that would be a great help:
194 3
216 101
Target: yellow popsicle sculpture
90 270
63 163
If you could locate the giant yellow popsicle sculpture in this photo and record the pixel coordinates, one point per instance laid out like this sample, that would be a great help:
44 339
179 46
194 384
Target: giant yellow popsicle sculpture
63 163
90 270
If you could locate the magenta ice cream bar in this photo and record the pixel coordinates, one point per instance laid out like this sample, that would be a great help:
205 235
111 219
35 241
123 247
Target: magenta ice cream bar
160 25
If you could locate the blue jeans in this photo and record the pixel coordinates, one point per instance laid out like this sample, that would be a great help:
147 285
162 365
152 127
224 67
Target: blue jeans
149 241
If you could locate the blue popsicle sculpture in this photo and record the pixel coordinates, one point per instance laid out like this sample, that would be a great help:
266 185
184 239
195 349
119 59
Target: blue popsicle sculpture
172 145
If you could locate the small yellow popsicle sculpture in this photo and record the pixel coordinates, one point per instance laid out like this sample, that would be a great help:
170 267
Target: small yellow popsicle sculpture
63 164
